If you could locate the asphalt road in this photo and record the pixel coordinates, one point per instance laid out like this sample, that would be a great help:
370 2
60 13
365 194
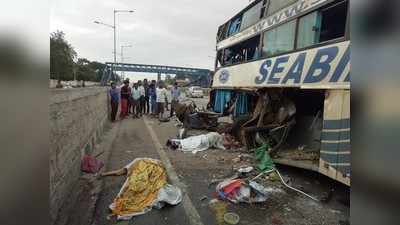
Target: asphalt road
146 137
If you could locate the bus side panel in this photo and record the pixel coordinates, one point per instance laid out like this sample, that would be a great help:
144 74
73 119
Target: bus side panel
344 159
335 146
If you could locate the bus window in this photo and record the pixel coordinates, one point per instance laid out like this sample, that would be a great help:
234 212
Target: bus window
222 30
333 23
309 30
251 16
234 26
276 5
242 52
279 40
219 59
321 26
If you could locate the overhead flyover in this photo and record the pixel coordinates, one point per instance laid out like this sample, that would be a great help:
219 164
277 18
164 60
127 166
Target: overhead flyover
194 73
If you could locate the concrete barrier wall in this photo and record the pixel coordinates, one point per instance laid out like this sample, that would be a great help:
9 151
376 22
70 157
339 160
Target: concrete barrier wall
77 120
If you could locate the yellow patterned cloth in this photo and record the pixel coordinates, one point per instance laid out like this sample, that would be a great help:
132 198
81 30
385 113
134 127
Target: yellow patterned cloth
145 178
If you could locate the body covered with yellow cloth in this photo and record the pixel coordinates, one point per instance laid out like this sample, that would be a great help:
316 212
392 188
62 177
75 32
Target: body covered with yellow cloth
145 187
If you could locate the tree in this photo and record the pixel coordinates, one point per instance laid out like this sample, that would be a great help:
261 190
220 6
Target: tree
98 69
84 71
62 56
63 67
169 80
89 71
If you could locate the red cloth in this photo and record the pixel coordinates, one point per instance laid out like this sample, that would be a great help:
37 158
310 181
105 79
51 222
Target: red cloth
124 108
90 164
228 189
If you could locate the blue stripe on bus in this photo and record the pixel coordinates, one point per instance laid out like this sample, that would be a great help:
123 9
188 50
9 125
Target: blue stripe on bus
341 158
336 147
335 135
337 124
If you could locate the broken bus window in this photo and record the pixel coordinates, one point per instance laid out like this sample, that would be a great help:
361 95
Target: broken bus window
327 24
242 52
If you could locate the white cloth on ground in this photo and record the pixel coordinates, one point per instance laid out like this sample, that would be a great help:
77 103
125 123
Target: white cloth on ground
201 142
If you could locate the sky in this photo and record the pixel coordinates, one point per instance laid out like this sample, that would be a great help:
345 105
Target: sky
161 32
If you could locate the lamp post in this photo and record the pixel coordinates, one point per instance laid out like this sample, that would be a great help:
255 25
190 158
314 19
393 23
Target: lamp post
115 41
115 33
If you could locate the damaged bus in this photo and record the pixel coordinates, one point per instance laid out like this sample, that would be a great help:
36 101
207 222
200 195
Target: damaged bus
282 72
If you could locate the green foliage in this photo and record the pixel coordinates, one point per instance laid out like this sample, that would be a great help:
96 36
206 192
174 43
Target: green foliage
62 56
89 71
63 67
169 80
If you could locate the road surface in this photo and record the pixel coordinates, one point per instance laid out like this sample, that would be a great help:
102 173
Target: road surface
146 137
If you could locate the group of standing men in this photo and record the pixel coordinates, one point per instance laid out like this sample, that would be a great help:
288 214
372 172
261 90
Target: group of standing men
141 98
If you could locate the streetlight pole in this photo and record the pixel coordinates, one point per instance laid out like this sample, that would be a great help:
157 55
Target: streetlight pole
115 40
115 34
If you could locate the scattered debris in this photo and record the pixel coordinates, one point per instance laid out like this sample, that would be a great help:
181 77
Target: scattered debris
236 160
335 211
264 190
245 169
265 161
238 191
203 198
235 176
274 177
219 207
231 218
213 201
294 189
244 156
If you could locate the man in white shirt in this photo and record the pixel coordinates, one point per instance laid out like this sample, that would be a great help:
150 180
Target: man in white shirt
161 93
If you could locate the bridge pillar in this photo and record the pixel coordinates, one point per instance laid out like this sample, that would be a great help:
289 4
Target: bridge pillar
158 77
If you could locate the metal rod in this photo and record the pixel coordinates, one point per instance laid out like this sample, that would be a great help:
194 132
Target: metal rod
115 43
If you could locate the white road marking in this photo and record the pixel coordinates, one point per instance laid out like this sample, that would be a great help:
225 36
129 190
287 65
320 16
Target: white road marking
188 206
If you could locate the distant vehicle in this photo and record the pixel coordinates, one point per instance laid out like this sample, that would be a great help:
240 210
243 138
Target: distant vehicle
195 92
